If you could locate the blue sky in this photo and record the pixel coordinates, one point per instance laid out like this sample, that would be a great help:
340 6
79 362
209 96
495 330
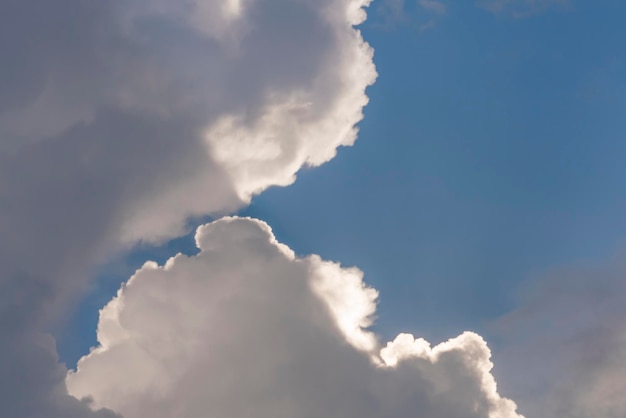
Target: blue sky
491 151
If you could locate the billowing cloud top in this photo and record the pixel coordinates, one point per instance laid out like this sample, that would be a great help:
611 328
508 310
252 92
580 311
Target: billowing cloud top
241 330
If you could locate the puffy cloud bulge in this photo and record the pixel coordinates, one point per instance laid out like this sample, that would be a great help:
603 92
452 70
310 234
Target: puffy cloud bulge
193 105
245 328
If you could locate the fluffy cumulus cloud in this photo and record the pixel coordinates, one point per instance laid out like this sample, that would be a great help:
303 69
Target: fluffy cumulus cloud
120 120
566 344
245 328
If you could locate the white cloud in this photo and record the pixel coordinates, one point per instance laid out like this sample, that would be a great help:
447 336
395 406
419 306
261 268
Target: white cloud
222 99
116 119
245 328
563 350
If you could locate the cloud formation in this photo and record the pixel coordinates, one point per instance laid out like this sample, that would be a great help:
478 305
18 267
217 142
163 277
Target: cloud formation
120 120
246 328
197 103
566 344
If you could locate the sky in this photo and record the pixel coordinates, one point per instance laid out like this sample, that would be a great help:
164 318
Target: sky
403 208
